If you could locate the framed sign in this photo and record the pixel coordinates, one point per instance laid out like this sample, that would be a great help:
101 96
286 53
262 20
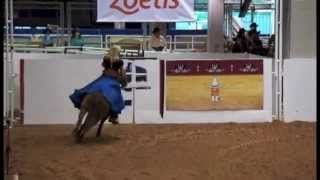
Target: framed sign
207 85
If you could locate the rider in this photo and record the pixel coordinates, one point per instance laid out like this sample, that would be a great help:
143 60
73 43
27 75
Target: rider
114 68
109 84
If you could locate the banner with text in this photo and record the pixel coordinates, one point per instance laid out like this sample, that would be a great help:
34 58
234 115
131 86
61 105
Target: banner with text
145 10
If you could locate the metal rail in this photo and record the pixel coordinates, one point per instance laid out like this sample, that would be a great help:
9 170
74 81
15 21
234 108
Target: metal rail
278 64
9 81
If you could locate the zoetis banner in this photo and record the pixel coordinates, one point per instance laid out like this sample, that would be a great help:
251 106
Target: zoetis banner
145 10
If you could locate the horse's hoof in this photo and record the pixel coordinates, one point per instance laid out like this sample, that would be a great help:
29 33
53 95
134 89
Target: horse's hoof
114 121
98 135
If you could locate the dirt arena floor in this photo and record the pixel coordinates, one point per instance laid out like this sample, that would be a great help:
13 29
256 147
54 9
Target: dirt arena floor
265 151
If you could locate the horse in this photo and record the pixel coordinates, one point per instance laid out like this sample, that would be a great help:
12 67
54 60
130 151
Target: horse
98 109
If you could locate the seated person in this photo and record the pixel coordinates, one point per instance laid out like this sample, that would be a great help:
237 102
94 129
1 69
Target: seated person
240 42
76 39
256 45
157 41
109 84
47 40
35 40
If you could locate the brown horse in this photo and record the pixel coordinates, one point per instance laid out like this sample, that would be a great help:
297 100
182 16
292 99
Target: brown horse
97 108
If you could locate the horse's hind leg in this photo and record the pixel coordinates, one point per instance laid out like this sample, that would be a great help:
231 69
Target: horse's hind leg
100 127
90 121
104 113
82 113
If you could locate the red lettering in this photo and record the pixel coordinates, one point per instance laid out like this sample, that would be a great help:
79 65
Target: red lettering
165 4
143 4
156 4
176 4
114 5
130 7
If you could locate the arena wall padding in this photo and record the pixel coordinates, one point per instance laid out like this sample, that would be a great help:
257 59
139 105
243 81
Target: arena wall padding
50 78
300 89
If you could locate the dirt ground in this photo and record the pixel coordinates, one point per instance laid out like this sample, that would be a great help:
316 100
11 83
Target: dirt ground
264 151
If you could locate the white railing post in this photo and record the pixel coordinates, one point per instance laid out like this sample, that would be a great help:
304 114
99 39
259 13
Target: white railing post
6 69
278 62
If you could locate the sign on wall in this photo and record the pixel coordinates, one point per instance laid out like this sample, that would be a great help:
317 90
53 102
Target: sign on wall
145 10
205 85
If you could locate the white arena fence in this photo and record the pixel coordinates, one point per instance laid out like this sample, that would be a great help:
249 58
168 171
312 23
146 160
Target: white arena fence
59 74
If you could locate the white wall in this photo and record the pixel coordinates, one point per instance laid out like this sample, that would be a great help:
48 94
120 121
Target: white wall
300 69
303 29
61 74
51 78
300 89
48 84
39 56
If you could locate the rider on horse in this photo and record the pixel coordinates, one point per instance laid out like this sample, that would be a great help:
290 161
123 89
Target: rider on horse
109 84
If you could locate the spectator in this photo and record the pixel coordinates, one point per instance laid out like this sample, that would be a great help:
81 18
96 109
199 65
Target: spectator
35 40
257 47
250 34
253 28
157 41
240 42
47 39
228 44
76 39
253 41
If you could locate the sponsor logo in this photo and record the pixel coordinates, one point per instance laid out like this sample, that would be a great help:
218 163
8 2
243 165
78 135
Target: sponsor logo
215 68
130 7
249 68
180 68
